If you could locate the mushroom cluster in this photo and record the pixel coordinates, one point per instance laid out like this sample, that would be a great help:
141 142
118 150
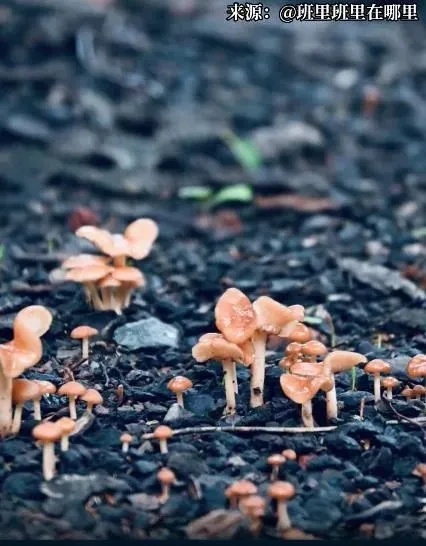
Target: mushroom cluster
107 280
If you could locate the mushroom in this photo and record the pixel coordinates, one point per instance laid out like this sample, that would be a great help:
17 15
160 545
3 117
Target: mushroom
301 390
289 454
420 471
84 333
92 397
126 439
298 332
129 278
313 349
407 393
72 389
88 276
46 387
23 391
218 348
83 260
376 367
282 492
67 425
418 391
47 434
167 478
178 385
242 489
416 367
108 288
275 461
162 434
293 352
335 362
24 351
389 383
254 508
236 320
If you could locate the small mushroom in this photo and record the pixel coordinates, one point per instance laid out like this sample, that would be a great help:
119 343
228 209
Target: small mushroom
289 454
416 367
242 489
23 391
420 471
254 508
47 434
84 333
88 276
407 393
376 367
313 349
298 332
275 461
92 397
389 383
301 390
418 391
178 385
293 351
282 492
67 426
129 278
126 439
167 478
73 390
46 388
162 434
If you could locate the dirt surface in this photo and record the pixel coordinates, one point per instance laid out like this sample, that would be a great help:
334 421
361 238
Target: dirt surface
116 108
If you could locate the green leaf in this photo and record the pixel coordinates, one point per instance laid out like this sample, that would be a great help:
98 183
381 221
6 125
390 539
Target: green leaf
312 320
245 152
198 193
241 193
1 252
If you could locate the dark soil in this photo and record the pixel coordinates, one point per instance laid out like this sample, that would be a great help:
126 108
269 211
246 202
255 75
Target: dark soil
115 110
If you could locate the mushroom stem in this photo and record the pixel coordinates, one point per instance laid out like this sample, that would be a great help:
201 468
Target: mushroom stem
307 418
17 419
119 261
389 393
284 522
73 410
5 404
377 395
85 348
165 493
234 377
258 370
36 410
163 446
48 460
179 399
229 388
125 447
65 442
331 401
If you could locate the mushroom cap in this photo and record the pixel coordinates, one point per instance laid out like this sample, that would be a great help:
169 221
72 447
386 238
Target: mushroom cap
46 386
66 424
286 363
276 459
289 454
390 382
217 348
314 348
92 397
141 234
377 366
298 312
307 369
419 390
271 316
293 348
254 505
34 318
339 361
99 237
24 390
416 367
235 316
281 491
108 282
407 392
82 332
126 274
420 470
296 331
72 388
15 360
126 438
89 273
300 389
166 476
83 260
243 488
47 432
179 384
247 348
163 432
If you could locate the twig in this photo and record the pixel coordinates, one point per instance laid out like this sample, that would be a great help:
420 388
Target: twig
401 417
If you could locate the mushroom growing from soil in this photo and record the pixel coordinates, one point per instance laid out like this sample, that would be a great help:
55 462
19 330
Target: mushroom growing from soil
282 492
336 362
254 508
23 391
313 349
240 490
167 478
420 471
301 390
216 347
178 385
289 454
84 333
162 434
92 397
126 439
389 383
73 390
275 461
416 367
376 367
24 351
46 388
293 352
67 426
47 434
407 393
418 391
88 276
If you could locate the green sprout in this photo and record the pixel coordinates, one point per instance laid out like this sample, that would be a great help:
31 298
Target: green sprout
244 151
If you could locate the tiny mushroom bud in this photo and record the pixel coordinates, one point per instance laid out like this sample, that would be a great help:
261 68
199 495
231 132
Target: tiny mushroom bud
282 492
242 489
389 383
67 425
289 454
46 387
162 434
418 391
313 349
275 461
254 508
178 385
92 398
376 367
420 471
23 391
47 434
84 333
72 390
416 367
167 478
407 393
293 352
126 439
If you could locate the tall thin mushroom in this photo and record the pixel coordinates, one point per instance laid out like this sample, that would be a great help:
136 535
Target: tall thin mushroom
377 367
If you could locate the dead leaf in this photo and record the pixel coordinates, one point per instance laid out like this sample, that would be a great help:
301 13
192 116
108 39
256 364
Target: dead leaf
296 202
